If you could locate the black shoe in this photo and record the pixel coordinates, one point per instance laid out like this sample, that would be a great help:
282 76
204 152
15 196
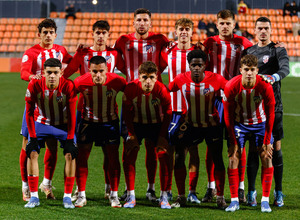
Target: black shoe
150 195
242 198
124 196
209 195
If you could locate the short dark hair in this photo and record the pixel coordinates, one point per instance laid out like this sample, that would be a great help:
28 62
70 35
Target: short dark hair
142 11
249 60
101 24
148 67
225 14
262 19
97 60
52 62
196 54
184 22
47 23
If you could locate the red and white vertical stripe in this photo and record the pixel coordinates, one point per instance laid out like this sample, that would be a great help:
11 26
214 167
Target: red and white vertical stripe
45 55
249 109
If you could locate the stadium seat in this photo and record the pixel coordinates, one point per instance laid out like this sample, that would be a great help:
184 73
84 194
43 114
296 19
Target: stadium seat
2 28
73 42
77 22
19 21
84 28
155 29
155 23
287 19
164 16
172 16
275 38
264 12
67 35
109 15
3 21
292 52
53 14
288 25
274 31
89 42
20 48
5 41
295 19
29 41
281 32
125 16
3 48
250 24
131 29
23 35
1 34
171 23
7 34
290 39
82 35
163 23
279 19
115 29
249 18
124 29
155 16
297 39
66 42
78 15
86 15
241 18
70 21
272 12
68 28
11 48
282 38
85 22
31 34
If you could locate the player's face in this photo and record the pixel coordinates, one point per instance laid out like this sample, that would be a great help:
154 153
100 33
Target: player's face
225 27
148 81
248 75
98 72
142 23
197 67
263 31
100 36
52 75
47 36
184 33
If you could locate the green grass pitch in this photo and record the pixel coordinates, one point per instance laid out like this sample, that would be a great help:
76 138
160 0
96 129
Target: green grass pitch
12 93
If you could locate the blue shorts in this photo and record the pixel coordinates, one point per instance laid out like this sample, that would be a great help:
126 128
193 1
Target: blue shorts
220 108
247 132
176 128
24 129
101 133
149 131
48 131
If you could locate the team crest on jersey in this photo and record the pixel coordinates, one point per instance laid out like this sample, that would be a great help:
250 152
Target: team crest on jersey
149 48
46 93
224 98
58 55
24 58
109 93
59 98
236 46
257 99
155 102
206 91
266 59
28 94
108 59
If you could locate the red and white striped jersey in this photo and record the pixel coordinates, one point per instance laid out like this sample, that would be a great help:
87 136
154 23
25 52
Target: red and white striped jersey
34 58
224 56
176 60
100 100
135 52
248 106
53 107
82 60
200 97
146 108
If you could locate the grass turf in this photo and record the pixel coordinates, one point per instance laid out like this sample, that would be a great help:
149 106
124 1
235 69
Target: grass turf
12 93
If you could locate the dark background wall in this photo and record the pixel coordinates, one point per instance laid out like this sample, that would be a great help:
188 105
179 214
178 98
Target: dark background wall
38 8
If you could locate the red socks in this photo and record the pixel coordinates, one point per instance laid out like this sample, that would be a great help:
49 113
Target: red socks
242 166
180 176
82 168
151 161
266 180
23 165
33 182
193 177
50 159
163 169
114 168
220 181
129 168
210 166
233 178
69 183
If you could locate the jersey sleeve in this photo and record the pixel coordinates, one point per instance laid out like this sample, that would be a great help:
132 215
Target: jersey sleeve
167 111
269 107
283 62
30 99
174 85
26 66
67 57
71 109
164 58
229 105
127 106
73 65
247 43
120 63
222 81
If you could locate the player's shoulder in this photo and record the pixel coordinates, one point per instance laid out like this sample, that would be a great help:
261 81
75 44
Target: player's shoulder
59 47
252 49
236 80
116 77
157 36
262 83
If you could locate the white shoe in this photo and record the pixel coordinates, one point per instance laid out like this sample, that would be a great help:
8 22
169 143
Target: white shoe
26 194
114 202
33 202
47 190
68 203
81 201
75 195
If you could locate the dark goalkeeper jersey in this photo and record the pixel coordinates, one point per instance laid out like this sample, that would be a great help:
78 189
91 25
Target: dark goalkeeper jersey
272 60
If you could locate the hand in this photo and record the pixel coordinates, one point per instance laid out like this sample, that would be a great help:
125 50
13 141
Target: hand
131 144
268 78
199 45
162 144
70 147
32 145
82 48
280 44
267 151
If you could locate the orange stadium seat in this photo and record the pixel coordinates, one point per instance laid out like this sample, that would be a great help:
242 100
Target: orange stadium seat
290 39
73 42
89 42
25 28
23 34
287 19
255 11
114 36
279 19
9 27
131 29
241 18
163 23
3 48
5 40
155 23
78 15
20 48
155 16
295 19
67 35
85 22
31 34
2 27
125 16
154 29
242 24
117 15
280 25
163 30
27 21
4 21
11 48
288 25
249 18
264 12
109 15
15 34
53 14
297 39
275 38
68 28
66 42
75 35
62 14
21 41
250 24
11 21
272 12
189 16
76 28
195 17
86 15
292 52
290 45
274 31
84 28
1 34
78 22
171 23
7 34
164 16
282 38
82 35
19 21
72 49
124 29
117 22
172 16
272 18
30 41
35 21
115 29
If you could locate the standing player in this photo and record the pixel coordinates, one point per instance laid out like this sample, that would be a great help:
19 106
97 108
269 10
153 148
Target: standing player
99 124
273 64
147 113
202 119
32 68
224 52
50 116
176 60
82 59
137 48
249 106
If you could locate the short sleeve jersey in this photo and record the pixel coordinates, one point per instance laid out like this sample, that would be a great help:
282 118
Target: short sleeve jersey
100 100
135 52
200 97
34 58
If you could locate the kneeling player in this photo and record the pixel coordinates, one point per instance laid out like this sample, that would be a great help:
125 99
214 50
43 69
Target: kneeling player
52 120
199 88
99 124
147 113
249 106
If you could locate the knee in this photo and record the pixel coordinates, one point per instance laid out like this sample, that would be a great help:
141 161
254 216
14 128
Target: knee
34 155
68 157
